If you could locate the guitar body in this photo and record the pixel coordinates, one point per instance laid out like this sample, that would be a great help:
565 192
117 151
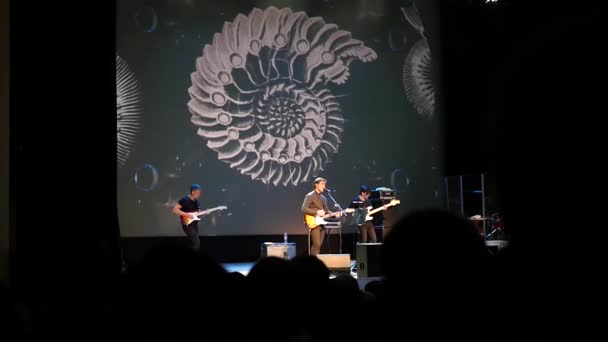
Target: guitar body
313 222
187 220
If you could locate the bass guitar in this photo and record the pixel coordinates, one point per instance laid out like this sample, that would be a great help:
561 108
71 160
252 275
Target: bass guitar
369 217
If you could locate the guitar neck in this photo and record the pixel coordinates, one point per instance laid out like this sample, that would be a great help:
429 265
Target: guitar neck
372 212
336 213
207 211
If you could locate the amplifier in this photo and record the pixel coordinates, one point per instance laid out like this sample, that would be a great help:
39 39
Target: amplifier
272 249
382 194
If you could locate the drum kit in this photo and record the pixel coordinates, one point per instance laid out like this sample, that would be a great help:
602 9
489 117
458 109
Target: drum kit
494 224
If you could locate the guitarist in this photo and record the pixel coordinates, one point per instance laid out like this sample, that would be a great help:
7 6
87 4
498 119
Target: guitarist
366 228
316 204
187 206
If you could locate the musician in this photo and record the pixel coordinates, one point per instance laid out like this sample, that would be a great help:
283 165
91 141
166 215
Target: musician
316 204
188 206
366 228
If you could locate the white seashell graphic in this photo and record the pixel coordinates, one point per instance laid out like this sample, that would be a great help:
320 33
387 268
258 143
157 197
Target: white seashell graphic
417 76
260 96
127 110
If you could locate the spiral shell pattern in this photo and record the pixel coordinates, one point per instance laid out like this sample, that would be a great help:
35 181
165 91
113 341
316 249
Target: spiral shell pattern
260 96
127 110
417 79
417 72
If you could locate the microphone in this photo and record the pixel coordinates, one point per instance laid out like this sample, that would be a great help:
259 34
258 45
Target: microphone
330 190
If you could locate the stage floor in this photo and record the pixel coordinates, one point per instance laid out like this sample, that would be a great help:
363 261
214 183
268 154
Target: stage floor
245 267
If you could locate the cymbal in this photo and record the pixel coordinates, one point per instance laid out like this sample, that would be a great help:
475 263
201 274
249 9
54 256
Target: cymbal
477 218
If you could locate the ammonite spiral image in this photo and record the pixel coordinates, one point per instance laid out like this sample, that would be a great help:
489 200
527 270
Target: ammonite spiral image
127 110
260 94
417 77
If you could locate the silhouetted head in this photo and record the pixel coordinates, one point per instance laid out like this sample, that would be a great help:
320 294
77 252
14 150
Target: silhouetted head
310 270
433 248
268 270
170 287
344 289
376 287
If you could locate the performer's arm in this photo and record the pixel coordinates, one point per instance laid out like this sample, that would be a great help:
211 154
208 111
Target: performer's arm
306 209
177 211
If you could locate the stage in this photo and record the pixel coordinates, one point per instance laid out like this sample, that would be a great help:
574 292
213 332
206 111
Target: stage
234 248
245 267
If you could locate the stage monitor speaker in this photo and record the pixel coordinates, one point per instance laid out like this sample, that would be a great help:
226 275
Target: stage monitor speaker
336 262
368 260
272 249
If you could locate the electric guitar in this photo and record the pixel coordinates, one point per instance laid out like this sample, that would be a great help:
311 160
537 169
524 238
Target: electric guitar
313 221
187 219
384 207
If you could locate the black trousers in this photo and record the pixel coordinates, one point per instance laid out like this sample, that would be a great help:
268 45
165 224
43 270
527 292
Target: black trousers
191 232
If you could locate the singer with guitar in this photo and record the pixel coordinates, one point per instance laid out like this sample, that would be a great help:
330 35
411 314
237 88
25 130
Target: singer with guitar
315 210
187 207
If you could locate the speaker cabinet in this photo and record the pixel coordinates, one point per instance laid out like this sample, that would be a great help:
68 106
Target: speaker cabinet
495 246
368 260
336 262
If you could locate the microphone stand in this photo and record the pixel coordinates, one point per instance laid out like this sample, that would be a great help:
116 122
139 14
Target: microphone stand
336 205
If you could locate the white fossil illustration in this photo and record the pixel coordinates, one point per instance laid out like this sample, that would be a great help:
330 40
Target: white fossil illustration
127 110
417 77
261 94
